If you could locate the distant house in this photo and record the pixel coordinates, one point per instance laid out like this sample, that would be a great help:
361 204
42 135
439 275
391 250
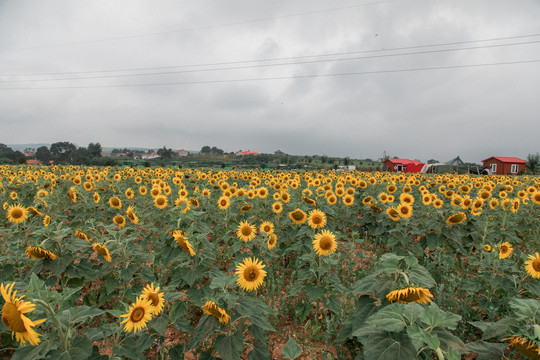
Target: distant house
243 153
33 162
152 155
500 165
182 152
403 165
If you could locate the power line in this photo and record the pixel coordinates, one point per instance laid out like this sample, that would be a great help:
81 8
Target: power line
200 28
282 77
264 65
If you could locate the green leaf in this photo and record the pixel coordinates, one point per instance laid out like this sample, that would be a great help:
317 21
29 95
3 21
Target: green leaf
364 285
487 350
261 322
525 309
82 313
35 287
448 340
80 350
395 317
127 273
363 308
58 266
206 325
192 275
222 282
177 310
32 352
183 325
433 316
230 347
291 350
260 352
160 324
388 346
389 263
499 328
419 275
420 336
313 292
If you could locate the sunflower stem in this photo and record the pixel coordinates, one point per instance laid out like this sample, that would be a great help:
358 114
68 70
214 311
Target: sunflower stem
48 309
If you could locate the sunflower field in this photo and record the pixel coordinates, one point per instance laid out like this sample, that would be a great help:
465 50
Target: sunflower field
168 263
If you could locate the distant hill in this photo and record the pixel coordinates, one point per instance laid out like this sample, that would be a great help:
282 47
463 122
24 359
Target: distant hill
21 147
108 149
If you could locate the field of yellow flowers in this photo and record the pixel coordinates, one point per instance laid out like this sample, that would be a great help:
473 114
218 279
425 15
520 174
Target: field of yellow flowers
162 263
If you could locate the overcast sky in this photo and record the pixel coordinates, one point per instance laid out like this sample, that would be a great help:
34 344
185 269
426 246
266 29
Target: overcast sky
418 79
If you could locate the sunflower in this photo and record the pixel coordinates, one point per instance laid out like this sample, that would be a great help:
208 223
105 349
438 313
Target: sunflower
34 211
393 214
325 243
129 193
88 186
250 274
119 220
210 308
535 197
245 231
139 314
277 207
493 203
505 250
160 202
316 219
181 239
406 198
46 220
533 266
515 205
271 242
348 200
103 251
525 346
410 294
246 207
437 203
456 218
267 227
404 210
82 236
143 190
309 201
96 198
391 188
224 202
298 216
367 200
155 297
39 253
13 318
488 247
331 199
13 195
194 202
131 215
155 192
115 202
16 214
262 193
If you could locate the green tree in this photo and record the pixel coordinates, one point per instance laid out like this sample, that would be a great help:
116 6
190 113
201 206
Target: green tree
43 154
62 151
533 161
165 154
94 150
205 149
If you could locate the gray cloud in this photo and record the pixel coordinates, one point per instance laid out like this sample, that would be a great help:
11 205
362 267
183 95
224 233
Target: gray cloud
473 112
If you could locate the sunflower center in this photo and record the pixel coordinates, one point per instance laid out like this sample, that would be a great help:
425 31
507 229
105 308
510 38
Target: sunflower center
161 201
297 215
325 243
316 220
272 241
11 317
154 298
536 264
137 314
17 213
404 210
246 231
250 274
223 202
503 249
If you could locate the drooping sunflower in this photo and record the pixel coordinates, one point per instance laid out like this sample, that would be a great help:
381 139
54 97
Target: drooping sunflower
13 318
115 202
325 243
456 218
246 207
139 314
298 216
119 220
393 214
271 242
250 274
16 213
309 201
160 202
533 266
33 252
410 294
102 250
34 211
267 227
224 202
131 215
155 297
182 240
245 231
210 308
404 210
277 207
82 236
505 250
46 220
316 219
525 346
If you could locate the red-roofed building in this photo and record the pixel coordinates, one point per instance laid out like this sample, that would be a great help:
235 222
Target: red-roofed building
403 165
502 165
242 153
